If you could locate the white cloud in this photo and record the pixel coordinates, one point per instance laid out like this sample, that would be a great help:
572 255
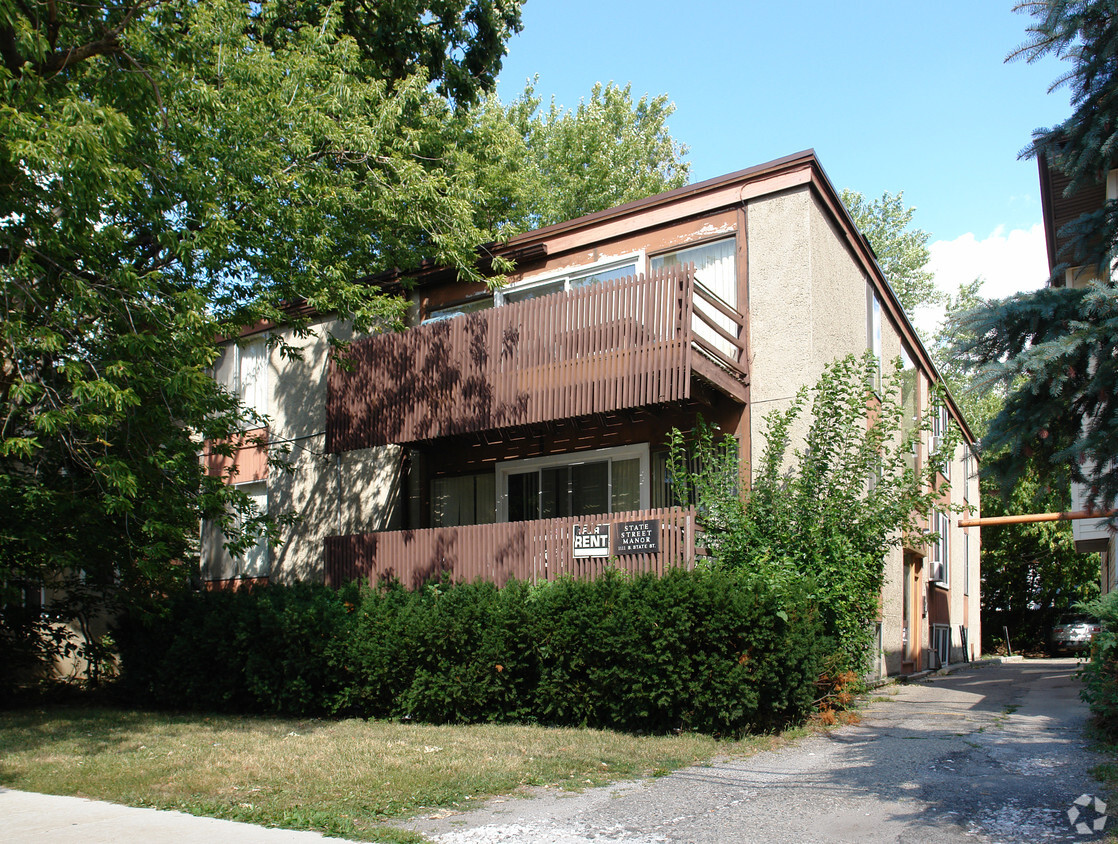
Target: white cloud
1008 262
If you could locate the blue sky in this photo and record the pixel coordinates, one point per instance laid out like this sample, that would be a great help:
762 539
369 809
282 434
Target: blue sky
900 95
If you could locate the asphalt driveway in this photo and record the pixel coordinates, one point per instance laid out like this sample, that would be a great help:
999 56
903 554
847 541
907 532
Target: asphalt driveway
994 753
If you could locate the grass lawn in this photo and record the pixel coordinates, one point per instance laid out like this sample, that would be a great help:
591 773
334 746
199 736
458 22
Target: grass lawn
343 778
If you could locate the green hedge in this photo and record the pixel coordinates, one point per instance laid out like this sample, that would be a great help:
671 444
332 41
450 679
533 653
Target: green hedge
1100 674
713 651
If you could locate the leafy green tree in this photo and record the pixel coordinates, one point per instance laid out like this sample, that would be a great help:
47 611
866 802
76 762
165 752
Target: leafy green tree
979 406
173 171
608 151
1030 572
902 251
828 511
1053 350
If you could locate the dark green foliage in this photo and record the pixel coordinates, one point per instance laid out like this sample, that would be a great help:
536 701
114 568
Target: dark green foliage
1100 675
174 171
714 651
1031 573
1054 350
825 515
256 650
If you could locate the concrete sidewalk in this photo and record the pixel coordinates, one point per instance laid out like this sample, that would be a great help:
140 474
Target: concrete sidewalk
27 818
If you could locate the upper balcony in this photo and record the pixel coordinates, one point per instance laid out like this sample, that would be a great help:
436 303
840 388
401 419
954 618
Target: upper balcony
619 344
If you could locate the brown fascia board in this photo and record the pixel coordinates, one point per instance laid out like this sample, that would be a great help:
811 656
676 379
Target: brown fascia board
787 164
1048 212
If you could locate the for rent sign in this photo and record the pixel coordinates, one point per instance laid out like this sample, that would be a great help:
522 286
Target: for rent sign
591 540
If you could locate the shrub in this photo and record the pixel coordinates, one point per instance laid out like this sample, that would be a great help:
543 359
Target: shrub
716 651
265 650
1100 674
824 514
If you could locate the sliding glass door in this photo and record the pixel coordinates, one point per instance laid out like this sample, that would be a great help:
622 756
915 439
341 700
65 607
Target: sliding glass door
588 483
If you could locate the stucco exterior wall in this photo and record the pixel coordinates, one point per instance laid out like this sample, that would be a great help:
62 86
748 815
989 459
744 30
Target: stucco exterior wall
807 302
350 493
781 305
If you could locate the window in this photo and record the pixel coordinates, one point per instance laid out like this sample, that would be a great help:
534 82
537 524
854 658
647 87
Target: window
716 270
254 562
936 443
251 374
464 500
522 291
451 311
940 549
910 403
582 277
609 480
966 563
873 330
941 643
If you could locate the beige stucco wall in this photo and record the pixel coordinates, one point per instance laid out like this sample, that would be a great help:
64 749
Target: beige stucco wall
807 301
331 494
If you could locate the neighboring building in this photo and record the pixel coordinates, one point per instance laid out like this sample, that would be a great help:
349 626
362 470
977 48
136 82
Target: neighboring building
1090 535
494 436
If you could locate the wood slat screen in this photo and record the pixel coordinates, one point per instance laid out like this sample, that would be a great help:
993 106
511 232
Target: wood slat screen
534 551
604 347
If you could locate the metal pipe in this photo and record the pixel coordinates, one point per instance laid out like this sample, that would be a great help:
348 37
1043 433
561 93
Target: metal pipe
1028 518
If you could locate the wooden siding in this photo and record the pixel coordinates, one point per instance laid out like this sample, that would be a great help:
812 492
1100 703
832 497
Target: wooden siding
249 461
534 551
619 344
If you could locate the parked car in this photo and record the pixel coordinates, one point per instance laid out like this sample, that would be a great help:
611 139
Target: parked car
1073 633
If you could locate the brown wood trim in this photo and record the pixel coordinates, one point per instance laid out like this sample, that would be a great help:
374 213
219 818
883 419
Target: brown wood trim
709 297
721 379
234 584
713 351
719 330
745 423
528 551
715 186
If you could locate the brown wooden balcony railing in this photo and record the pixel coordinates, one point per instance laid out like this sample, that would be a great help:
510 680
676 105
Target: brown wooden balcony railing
534 551
623 343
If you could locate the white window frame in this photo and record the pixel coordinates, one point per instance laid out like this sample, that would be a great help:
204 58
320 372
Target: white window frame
262 546
569 274
941 549
573 458
940 423
966 563
941 643
873 331
238 351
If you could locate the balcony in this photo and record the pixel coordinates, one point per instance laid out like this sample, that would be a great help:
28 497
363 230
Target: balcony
624 343
534 551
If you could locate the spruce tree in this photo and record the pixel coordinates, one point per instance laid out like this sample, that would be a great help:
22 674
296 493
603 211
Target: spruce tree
1054 350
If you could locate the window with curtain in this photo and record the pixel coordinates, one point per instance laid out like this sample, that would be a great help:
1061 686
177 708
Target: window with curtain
463 500
716 270
252 375
584 484
255 561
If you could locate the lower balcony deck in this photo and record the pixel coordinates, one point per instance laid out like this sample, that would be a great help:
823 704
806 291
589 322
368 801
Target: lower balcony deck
535 551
